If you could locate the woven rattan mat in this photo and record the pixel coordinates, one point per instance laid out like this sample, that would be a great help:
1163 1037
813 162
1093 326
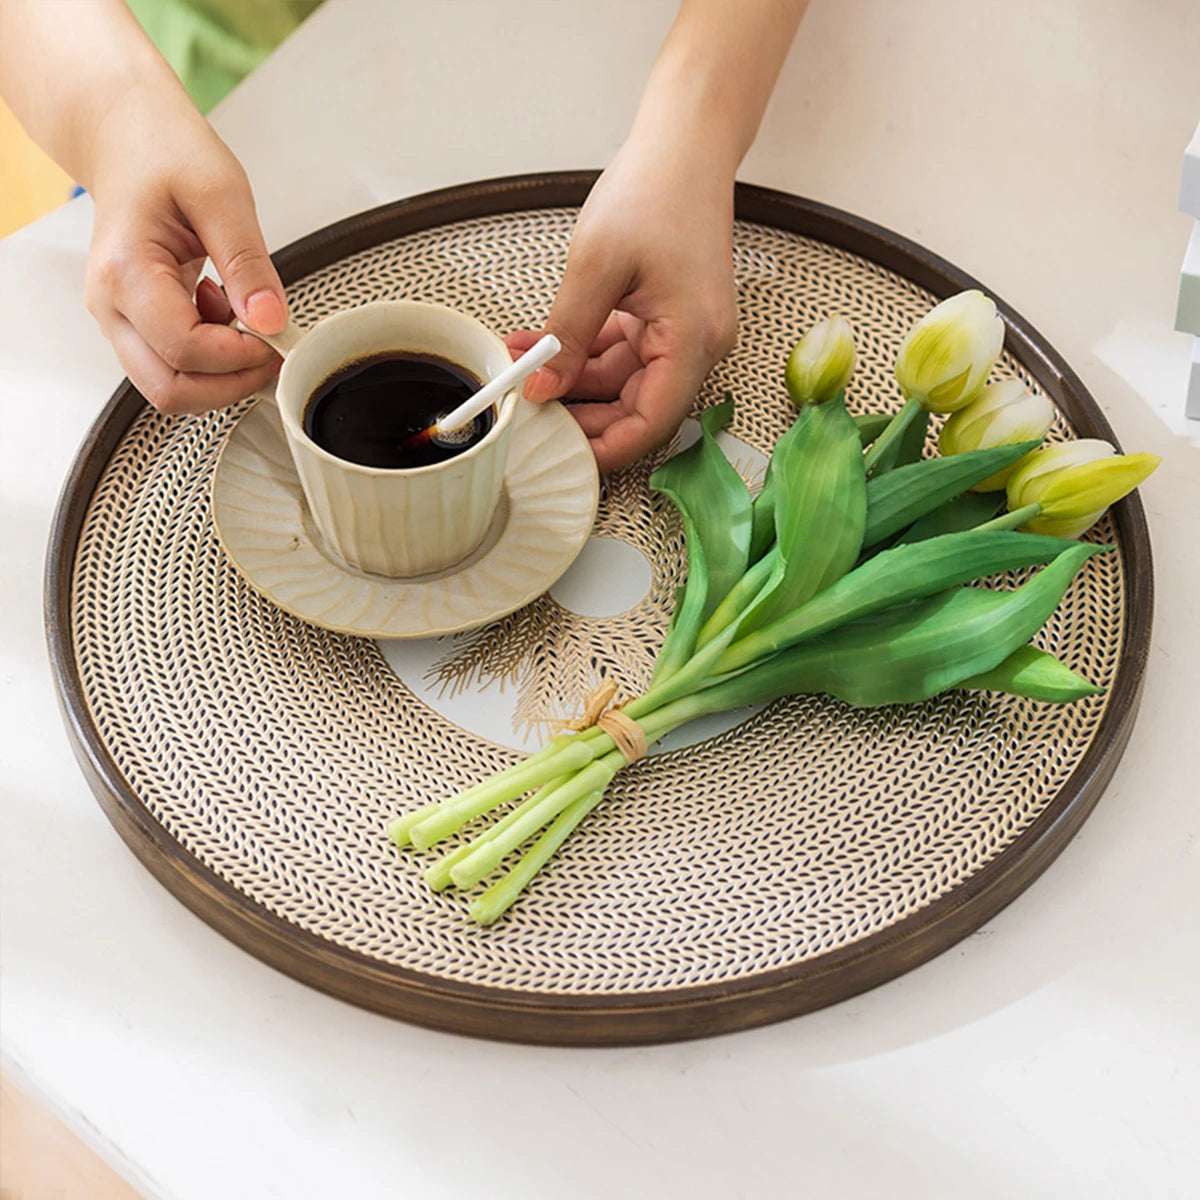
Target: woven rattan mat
265 756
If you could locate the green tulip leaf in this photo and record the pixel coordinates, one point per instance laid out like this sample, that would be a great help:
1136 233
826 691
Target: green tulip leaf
715 509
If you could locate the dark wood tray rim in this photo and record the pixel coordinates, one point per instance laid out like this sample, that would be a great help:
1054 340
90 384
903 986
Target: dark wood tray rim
620 1019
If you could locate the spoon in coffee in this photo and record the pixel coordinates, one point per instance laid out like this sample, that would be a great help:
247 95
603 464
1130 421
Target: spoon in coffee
455 427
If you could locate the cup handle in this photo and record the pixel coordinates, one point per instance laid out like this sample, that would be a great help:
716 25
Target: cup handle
282 343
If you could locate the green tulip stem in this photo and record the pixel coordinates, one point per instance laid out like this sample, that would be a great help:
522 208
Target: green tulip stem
499 898
1012 520
891 434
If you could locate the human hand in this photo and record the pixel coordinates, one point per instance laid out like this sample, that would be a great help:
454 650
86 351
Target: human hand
647 304
168 194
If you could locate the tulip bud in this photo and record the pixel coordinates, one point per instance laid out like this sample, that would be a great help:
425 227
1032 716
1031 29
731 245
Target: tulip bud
821 363
1074 483
1002 414
946 357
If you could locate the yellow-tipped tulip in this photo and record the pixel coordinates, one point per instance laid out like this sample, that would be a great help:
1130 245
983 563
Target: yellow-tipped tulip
1074 483
821 363
1003 414
946 357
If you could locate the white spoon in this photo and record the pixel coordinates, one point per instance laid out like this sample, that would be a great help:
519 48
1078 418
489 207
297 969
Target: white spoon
453 428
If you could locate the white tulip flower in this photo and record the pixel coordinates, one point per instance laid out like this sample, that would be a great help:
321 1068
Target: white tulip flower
946 357
1073 484
821 363
1002 414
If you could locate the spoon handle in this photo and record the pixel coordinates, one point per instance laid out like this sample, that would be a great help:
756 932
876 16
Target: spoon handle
282 343
537 355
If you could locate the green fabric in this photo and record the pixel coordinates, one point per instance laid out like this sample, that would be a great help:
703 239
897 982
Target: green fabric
213 44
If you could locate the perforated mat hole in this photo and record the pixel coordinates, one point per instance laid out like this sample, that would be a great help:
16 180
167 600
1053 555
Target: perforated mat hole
608 578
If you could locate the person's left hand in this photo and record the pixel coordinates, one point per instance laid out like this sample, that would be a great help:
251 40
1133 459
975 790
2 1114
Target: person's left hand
646 306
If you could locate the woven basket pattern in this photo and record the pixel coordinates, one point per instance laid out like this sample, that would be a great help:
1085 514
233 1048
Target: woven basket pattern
276 752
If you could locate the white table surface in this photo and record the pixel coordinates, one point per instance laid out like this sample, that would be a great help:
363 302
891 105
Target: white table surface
1056 1053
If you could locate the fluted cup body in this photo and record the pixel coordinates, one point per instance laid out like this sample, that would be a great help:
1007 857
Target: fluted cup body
386 521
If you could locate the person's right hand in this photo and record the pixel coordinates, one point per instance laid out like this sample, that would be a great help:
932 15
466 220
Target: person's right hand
168 194
647 303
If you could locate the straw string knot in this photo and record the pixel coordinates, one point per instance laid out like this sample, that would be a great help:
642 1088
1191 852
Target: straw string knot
601 710
626 733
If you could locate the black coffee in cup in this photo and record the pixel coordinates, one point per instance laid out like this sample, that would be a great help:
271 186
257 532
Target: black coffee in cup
371 410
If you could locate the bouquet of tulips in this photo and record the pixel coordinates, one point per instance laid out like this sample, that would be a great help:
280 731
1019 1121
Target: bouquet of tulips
848 574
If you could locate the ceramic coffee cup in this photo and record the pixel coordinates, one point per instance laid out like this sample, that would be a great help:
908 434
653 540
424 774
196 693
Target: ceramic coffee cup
396 522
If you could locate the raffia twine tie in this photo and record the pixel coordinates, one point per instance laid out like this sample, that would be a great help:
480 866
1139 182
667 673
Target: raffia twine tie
625 732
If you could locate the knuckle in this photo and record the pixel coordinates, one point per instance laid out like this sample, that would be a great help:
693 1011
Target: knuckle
564 323
109 270
574 349
175 354
243 265
239 260
165 396
93 298
586 255
216 185
157 396
718 333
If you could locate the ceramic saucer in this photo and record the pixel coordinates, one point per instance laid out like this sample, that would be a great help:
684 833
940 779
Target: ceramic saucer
546 512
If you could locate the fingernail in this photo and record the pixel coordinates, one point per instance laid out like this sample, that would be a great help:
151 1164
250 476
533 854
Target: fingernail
544 384
266 311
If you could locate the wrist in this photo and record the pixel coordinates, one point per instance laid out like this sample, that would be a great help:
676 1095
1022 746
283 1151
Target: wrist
141 120
689 109
134 104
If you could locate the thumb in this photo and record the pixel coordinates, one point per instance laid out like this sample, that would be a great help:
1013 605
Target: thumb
589 291
230 234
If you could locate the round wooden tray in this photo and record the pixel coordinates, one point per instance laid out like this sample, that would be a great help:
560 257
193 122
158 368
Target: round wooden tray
799 855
